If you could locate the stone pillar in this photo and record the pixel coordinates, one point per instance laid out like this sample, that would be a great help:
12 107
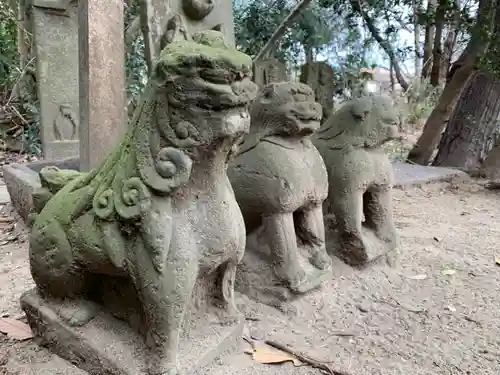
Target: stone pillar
55 27
197 14
269 70
321 78
102 79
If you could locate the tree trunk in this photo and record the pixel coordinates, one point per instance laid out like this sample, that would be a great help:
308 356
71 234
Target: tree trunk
472 128
437 51
450 41
430 30
357 6
416 4
464 67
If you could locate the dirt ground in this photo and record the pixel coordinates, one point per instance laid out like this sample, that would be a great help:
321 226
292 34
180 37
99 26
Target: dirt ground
438 312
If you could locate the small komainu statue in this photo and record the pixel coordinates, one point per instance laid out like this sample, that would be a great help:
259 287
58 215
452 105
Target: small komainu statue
280 183
360 177
160 213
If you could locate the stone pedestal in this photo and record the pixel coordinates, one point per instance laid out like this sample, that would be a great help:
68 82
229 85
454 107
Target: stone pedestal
108 346
257 280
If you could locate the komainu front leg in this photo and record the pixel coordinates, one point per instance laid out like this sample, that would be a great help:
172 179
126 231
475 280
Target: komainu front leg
165 295
310 229
280 233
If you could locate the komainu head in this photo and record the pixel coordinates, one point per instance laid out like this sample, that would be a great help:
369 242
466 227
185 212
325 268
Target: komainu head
206 89
285 109
366 122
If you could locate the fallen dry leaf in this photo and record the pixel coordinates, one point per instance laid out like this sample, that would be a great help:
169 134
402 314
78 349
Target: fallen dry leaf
497 261
15 329
418 277
448 272
266 354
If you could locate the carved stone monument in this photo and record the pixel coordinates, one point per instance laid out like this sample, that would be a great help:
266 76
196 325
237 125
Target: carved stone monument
197 14
321 78
56 46
269 70
135 261
280 182
360 178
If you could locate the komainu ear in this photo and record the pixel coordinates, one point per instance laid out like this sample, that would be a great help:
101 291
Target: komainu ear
361 108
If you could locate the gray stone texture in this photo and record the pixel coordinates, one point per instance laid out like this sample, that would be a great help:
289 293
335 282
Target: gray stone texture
101 80
269 70
280 183
321 78
56 47
121 351
360 178
22 180
147 245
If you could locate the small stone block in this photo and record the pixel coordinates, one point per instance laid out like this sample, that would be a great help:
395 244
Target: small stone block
108 346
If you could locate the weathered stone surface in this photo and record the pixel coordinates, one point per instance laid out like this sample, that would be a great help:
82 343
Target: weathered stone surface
56 47
268 71
22 180
197 14
321 78
360 177
412 174
101 80
154 235
280 182
107 346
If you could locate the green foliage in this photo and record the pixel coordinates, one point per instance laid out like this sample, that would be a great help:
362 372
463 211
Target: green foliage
136 69
9 58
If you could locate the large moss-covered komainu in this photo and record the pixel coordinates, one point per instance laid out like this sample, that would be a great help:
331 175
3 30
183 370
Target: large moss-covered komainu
160 210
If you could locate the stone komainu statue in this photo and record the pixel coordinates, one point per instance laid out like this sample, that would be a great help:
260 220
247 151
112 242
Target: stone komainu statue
360 176
280 183
160 212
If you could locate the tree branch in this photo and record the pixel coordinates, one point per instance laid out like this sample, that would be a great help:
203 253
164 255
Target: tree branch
287 23
386 46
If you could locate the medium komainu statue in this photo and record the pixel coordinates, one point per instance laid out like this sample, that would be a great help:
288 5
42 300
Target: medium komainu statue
360 177
280 183
160 212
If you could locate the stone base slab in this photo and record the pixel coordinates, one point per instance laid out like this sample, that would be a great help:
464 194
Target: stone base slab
22 179
256 277
108 346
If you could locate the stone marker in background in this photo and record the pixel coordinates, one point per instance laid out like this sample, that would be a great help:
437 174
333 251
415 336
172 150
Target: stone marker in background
321 78
56 47
197 15
101 79
269 70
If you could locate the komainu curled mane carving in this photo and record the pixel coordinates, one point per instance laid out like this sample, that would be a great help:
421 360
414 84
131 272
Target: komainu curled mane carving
360 177
160 211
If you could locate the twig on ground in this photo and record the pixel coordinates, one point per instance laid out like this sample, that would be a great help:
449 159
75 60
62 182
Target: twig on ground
322 366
